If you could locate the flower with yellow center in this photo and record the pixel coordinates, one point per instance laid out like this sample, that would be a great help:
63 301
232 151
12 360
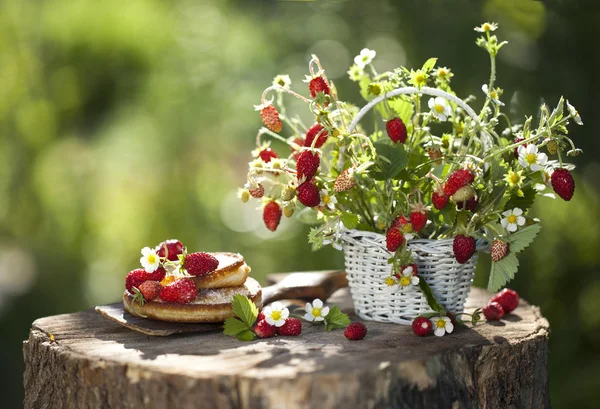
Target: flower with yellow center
514 179
512 219
486 27
364 58
276 314
283 81
440 108
327 200
407 278
441 326
355 73
418 78
529 157
315 311
149 260
494 94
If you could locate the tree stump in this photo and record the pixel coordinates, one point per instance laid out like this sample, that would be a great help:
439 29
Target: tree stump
82 360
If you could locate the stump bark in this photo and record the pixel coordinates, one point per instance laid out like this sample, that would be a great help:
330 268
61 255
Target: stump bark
83 360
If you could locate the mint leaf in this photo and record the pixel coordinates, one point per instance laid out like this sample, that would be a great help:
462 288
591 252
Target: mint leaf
246 335
522 238
336 319
244 309
391 159
502 272
431 301
233 326
429 64
350 220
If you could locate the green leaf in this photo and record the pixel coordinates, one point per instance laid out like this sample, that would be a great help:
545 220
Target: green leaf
431 301
391 159
522 202
336 319
557 113
350 220
502 272
522 238
244 309
429 64
233 326
246 335
448 214
403 108
315 238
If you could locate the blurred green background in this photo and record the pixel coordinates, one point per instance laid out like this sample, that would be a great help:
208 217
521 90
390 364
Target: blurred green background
123 123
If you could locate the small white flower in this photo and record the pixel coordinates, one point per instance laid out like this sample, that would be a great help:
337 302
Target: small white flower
529 157
364 58
407 278
485 27
494 94
512 219
315 311
283 80
355 73
408 236
276 314
442 325
149 260
440 108
574 114
326 200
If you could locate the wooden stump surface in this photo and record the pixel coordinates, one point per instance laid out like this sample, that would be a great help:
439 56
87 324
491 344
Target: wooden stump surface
83 360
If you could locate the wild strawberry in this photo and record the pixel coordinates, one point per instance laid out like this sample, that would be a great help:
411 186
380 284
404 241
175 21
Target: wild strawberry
272 215
136 277
464 248
291 328
181 291
265 330
415 270
563 183
316 129
422 326
150 290
170 249
396 130
308 194
308 165
508 299
394 239
463 194
200 264
439 199
458 179
345 181
517 140
499 250
493 311
316 85
418 217
471 204
270 118
257 192
355 331
267 154
261 316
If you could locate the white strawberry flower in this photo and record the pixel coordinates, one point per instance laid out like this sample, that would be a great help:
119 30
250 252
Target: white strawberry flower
440 108
149 260
407 278
282 80
494 94
355 73
574 114
512 219
276 314
364 58
529 157
327 200
316 311
442 325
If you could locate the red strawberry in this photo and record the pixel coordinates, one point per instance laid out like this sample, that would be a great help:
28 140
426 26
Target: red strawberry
415 270
291 328
508 299
471 204
308 165
308 194
422 326
261 316
499 250
181 291
345 181
270 118
150 290
394 239
316 85
316 129
257 192
493 311
170 249
464 248
440 200
272 215
267 154
517 140
136 277
396 130
200 264
458 179
355 331
563 183
418 217
264 330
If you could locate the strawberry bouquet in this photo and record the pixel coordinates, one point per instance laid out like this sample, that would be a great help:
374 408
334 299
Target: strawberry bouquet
429 170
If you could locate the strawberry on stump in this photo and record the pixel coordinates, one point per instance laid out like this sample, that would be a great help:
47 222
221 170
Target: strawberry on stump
508 299
355 331
493 311
422 326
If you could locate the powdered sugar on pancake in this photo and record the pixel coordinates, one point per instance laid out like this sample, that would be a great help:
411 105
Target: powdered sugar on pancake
210 296
226 260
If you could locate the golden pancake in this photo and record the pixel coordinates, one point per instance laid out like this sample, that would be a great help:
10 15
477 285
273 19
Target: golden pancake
232 271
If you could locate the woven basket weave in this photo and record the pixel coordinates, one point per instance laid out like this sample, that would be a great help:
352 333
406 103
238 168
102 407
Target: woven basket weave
366 266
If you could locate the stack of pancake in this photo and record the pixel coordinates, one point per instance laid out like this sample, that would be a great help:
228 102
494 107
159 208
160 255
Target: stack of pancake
215 292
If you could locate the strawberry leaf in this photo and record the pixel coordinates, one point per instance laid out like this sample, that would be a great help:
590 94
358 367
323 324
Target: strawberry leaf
391 159
244 309
246 335
350 220
234 326
403 108
429 64
521 239
431 301
522 202
502 272
336 319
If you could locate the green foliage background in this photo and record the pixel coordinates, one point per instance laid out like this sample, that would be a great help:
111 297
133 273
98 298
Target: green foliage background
123 123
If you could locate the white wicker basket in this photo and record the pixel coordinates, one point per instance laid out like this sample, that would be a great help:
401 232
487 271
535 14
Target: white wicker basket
366 266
